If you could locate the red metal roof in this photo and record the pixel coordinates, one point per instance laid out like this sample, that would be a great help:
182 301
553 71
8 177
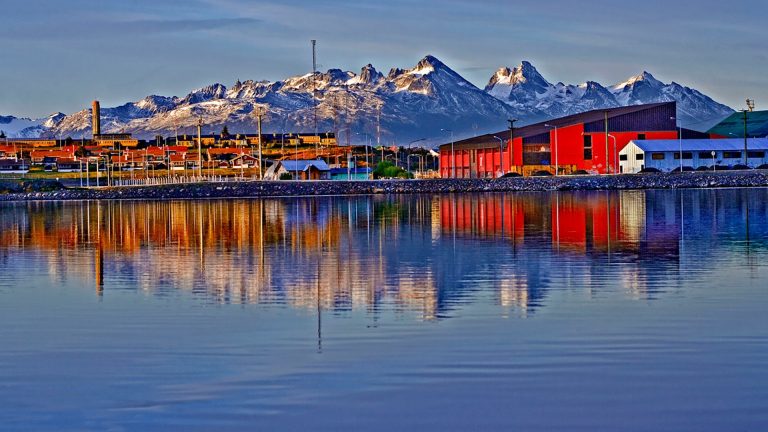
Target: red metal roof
51 153
226 150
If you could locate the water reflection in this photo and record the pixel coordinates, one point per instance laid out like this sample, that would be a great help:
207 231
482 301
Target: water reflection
428 255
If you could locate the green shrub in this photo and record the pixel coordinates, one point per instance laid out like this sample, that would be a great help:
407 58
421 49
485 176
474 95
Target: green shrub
387 169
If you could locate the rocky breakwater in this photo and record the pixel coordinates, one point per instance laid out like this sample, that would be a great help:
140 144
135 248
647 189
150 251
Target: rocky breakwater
252 189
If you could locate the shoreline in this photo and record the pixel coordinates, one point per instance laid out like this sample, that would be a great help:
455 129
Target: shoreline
273 189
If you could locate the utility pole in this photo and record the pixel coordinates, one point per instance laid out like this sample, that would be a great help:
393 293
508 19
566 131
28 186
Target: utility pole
199 147
378 124
606 142
745 111
259 112
511 146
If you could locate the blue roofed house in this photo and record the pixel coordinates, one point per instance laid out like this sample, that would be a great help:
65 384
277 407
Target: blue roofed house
302 169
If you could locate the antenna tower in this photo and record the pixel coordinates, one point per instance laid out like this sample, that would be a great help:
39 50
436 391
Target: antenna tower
314 96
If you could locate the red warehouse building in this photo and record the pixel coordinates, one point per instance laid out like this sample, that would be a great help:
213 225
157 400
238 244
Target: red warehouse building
589 141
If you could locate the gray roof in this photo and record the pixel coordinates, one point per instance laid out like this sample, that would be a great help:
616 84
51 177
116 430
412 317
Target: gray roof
734 144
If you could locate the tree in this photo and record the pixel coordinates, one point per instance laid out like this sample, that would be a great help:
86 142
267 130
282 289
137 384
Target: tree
225 132
2 134
81 152
386 169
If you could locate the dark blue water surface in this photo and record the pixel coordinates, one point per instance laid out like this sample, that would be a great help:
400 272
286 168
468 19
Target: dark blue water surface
626 311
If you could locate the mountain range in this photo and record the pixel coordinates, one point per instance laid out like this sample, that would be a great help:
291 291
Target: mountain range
429 101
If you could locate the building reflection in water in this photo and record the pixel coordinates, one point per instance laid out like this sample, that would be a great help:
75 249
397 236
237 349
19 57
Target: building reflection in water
410 254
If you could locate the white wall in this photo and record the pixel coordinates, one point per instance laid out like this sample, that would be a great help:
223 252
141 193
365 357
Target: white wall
670 162
632 165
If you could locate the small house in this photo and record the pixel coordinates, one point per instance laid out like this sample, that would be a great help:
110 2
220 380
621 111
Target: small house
302 169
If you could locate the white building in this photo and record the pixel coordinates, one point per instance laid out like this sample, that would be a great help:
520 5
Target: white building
664 155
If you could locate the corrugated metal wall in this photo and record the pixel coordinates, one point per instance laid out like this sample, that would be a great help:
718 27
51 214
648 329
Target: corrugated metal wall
542 138
652 119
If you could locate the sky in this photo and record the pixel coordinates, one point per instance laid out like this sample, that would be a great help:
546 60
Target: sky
59 55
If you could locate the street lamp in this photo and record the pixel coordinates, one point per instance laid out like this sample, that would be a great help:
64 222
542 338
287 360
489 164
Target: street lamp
557 168
259 112
679 139
512 144
453 153
615 155
367 145
501 155
409 151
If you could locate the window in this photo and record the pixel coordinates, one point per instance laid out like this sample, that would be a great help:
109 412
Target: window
705 155
657 156
622 157
756 154
641 136
731 155
686 155
587 147
639 156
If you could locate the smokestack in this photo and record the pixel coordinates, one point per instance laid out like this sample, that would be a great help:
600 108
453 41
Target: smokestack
96 115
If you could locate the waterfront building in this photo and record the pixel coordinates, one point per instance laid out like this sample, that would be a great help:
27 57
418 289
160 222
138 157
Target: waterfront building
252 139
309 169
698 154
354 173
39 157
9 152
13 166
27 144
587 141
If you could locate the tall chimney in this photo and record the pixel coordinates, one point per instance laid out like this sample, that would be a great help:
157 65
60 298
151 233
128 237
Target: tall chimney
96 115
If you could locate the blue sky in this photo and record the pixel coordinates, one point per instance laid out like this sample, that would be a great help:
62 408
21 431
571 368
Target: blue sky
59 55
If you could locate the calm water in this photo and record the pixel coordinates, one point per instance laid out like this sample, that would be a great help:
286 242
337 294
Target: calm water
636 311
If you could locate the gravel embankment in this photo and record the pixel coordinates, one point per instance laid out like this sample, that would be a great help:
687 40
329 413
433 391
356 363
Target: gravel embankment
50 191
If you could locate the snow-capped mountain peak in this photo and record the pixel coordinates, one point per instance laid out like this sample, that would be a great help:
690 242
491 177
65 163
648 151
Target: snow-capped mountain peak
428 73
427 65
645 77
53 120
368 75
211 92
524 74
519 85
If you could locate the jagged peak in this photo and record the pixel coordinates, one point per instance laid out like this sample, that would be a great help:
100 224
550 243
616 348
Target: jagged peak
645 76
394 73
213 91
522 74
54 119
368 75
430 60
209 88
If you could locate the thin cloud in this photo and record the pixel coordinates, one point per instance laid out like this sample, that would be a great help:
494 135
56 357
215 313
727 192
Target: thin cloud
121 29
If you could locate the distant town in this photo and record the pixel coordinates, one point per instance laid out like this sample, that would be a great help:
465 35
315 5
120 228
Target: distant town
624 140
